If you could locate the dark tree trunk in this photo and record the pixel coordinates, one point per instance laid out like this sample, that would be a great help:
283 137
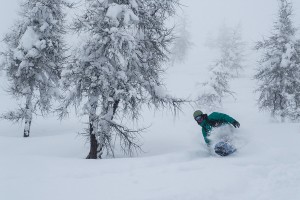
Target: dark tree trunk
93 140
93 147
115 107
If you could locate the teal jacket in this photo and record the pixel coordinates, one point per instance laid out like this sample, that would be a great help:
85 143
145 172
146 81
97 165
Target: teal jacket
215 119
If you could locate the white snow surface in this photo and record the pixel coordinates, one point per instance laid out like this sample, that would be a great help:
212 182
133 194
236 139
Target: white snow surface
175 164
52 167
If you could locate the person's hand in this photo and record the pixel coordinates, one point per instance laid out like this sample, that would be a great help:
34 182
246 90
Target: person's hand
236 124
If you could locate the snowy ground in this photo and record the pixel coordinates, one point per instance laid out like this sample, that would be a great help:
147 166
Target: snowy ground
267 166
175 165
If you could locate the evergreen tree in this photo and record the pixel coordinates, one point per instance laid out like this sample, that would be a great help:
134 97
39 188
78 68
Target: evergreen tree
118 68
279 72
215 89
182 43
230 48
34 57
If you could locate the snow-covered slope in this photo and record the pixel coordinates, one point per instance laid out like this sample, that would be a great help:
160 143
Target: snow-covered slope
175 164
267 165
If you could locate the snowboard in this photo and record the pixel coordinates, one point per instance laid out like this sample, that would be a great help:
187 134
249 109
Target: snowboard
224 148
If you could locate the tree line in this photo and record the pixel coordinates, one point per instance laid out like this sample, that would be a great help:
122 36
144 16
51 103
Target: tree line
277 71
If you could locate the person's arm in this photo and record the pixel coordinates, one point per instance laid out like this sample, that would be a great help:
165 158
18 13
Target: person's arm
227 119
204 132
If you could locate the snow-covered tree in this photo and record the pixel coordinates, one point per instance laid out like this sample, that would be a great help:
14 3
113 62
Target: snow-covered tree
215 89
34 57
230 49
279 71
118 68
182 43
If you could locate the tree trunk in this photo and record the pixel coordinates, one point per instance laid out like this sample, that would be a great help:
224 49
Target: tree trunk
92 128
96 145
28 115
93 147
115 107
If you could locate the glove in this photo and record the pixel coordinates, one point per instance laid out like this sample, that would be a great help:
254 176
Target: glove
236 124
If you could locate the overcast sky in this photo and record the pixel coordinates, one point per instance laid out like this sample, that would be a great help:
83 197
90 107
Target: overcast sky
8 13
255 15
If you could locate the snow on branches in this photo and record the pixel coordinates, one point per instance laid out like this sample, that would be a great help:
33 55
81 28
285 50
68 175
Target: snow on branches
34 56
230 62
279 71
117 69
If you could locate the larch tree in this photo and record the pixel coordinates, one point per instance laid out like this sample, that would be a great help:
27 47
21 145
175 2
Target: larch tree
278 74
34 56
215 89
182 43
230 49
118 69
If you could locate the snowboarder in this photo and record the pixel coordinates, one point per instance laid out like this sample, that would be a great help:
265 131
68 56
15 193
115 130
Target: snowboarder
215 119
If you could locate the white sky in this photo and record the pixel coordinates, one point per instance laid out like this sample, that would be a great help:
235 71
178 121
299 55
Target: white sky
8 12
205 16
255 15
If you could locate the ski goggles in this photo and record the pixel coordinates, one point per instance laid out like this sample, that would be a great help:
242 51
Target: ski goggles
199 119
